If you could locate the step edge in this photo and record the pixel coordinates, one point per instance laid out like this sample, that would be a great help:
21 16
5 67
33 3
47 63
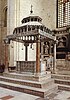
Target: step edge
61 80
28 81
28 87
63 85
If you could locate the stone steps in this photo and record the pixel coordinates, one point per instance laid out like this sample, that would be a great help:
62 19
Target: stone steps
27 77
42 84
63 81
39 85
60 76
63 87
30 90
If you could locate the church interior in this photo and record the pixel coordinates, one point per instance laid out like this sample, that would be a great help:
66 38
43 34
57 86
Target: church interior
35 48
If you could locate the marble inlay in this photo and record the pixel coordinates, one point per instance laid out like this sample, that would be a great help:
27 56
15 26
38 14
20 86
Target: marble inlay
7 97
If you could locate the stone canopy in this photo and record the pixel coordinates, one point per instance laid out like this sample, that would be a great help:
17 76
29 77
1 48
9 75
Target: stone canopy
31 30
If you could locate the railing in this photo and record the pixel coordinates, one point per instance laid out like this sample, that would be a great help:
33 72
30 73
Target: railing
26 66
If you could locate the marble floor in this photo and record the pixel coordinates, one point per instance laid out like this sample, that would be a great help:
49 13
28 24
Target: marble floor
6 94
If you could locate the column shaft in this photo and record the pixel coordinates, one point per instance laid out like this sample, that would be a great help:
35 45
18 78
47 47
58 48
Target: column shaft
26 54
38 56
6 58
50 48
54 59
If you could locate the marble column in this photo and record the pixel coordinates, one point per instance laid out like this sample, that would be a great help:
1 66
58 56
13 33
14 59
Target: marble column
6 58
50 48
42 50
38 56
42 62
26 51
54 59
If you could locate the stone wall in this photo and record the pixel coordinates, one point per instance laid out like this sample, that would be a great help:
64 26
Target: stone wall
63 66
3 29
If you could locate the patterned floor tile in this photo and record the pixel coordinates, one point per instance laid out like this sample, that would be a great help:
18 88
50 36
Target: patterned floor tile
7 97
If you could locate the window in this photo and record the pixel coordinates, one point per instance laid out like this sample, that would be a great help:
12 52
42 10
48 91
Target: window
5 17
64 14
63 10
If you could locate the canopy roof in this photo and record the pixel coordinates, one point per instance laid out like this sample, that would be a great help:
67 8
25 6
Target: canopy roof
32 17
31 30
32 23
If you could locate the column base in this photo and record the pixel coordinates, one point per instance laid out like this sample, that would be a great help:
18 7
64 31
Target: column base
42 73
54 72
6 70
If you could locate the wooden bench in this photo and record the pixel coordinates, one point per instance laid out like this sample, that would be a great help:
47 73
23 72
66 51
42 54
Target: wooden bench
11 68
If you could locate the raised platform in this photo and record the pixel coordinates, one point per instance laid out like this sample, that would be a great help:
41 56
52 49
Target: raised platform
63 81
41 85
28 76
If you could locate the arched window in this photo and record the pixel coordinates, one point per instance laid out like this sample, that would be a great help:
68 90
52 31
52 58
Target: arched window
5 17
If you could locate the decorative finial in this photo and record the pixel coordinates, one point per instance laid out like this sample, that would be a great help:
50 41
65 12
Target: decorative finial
31 10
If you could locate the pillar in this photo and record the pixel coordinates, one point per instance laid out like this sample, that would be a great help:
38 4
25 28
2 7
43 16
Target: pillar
42 50
26 54
38 56
50 47
42 62
6 58
54 59
26 51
